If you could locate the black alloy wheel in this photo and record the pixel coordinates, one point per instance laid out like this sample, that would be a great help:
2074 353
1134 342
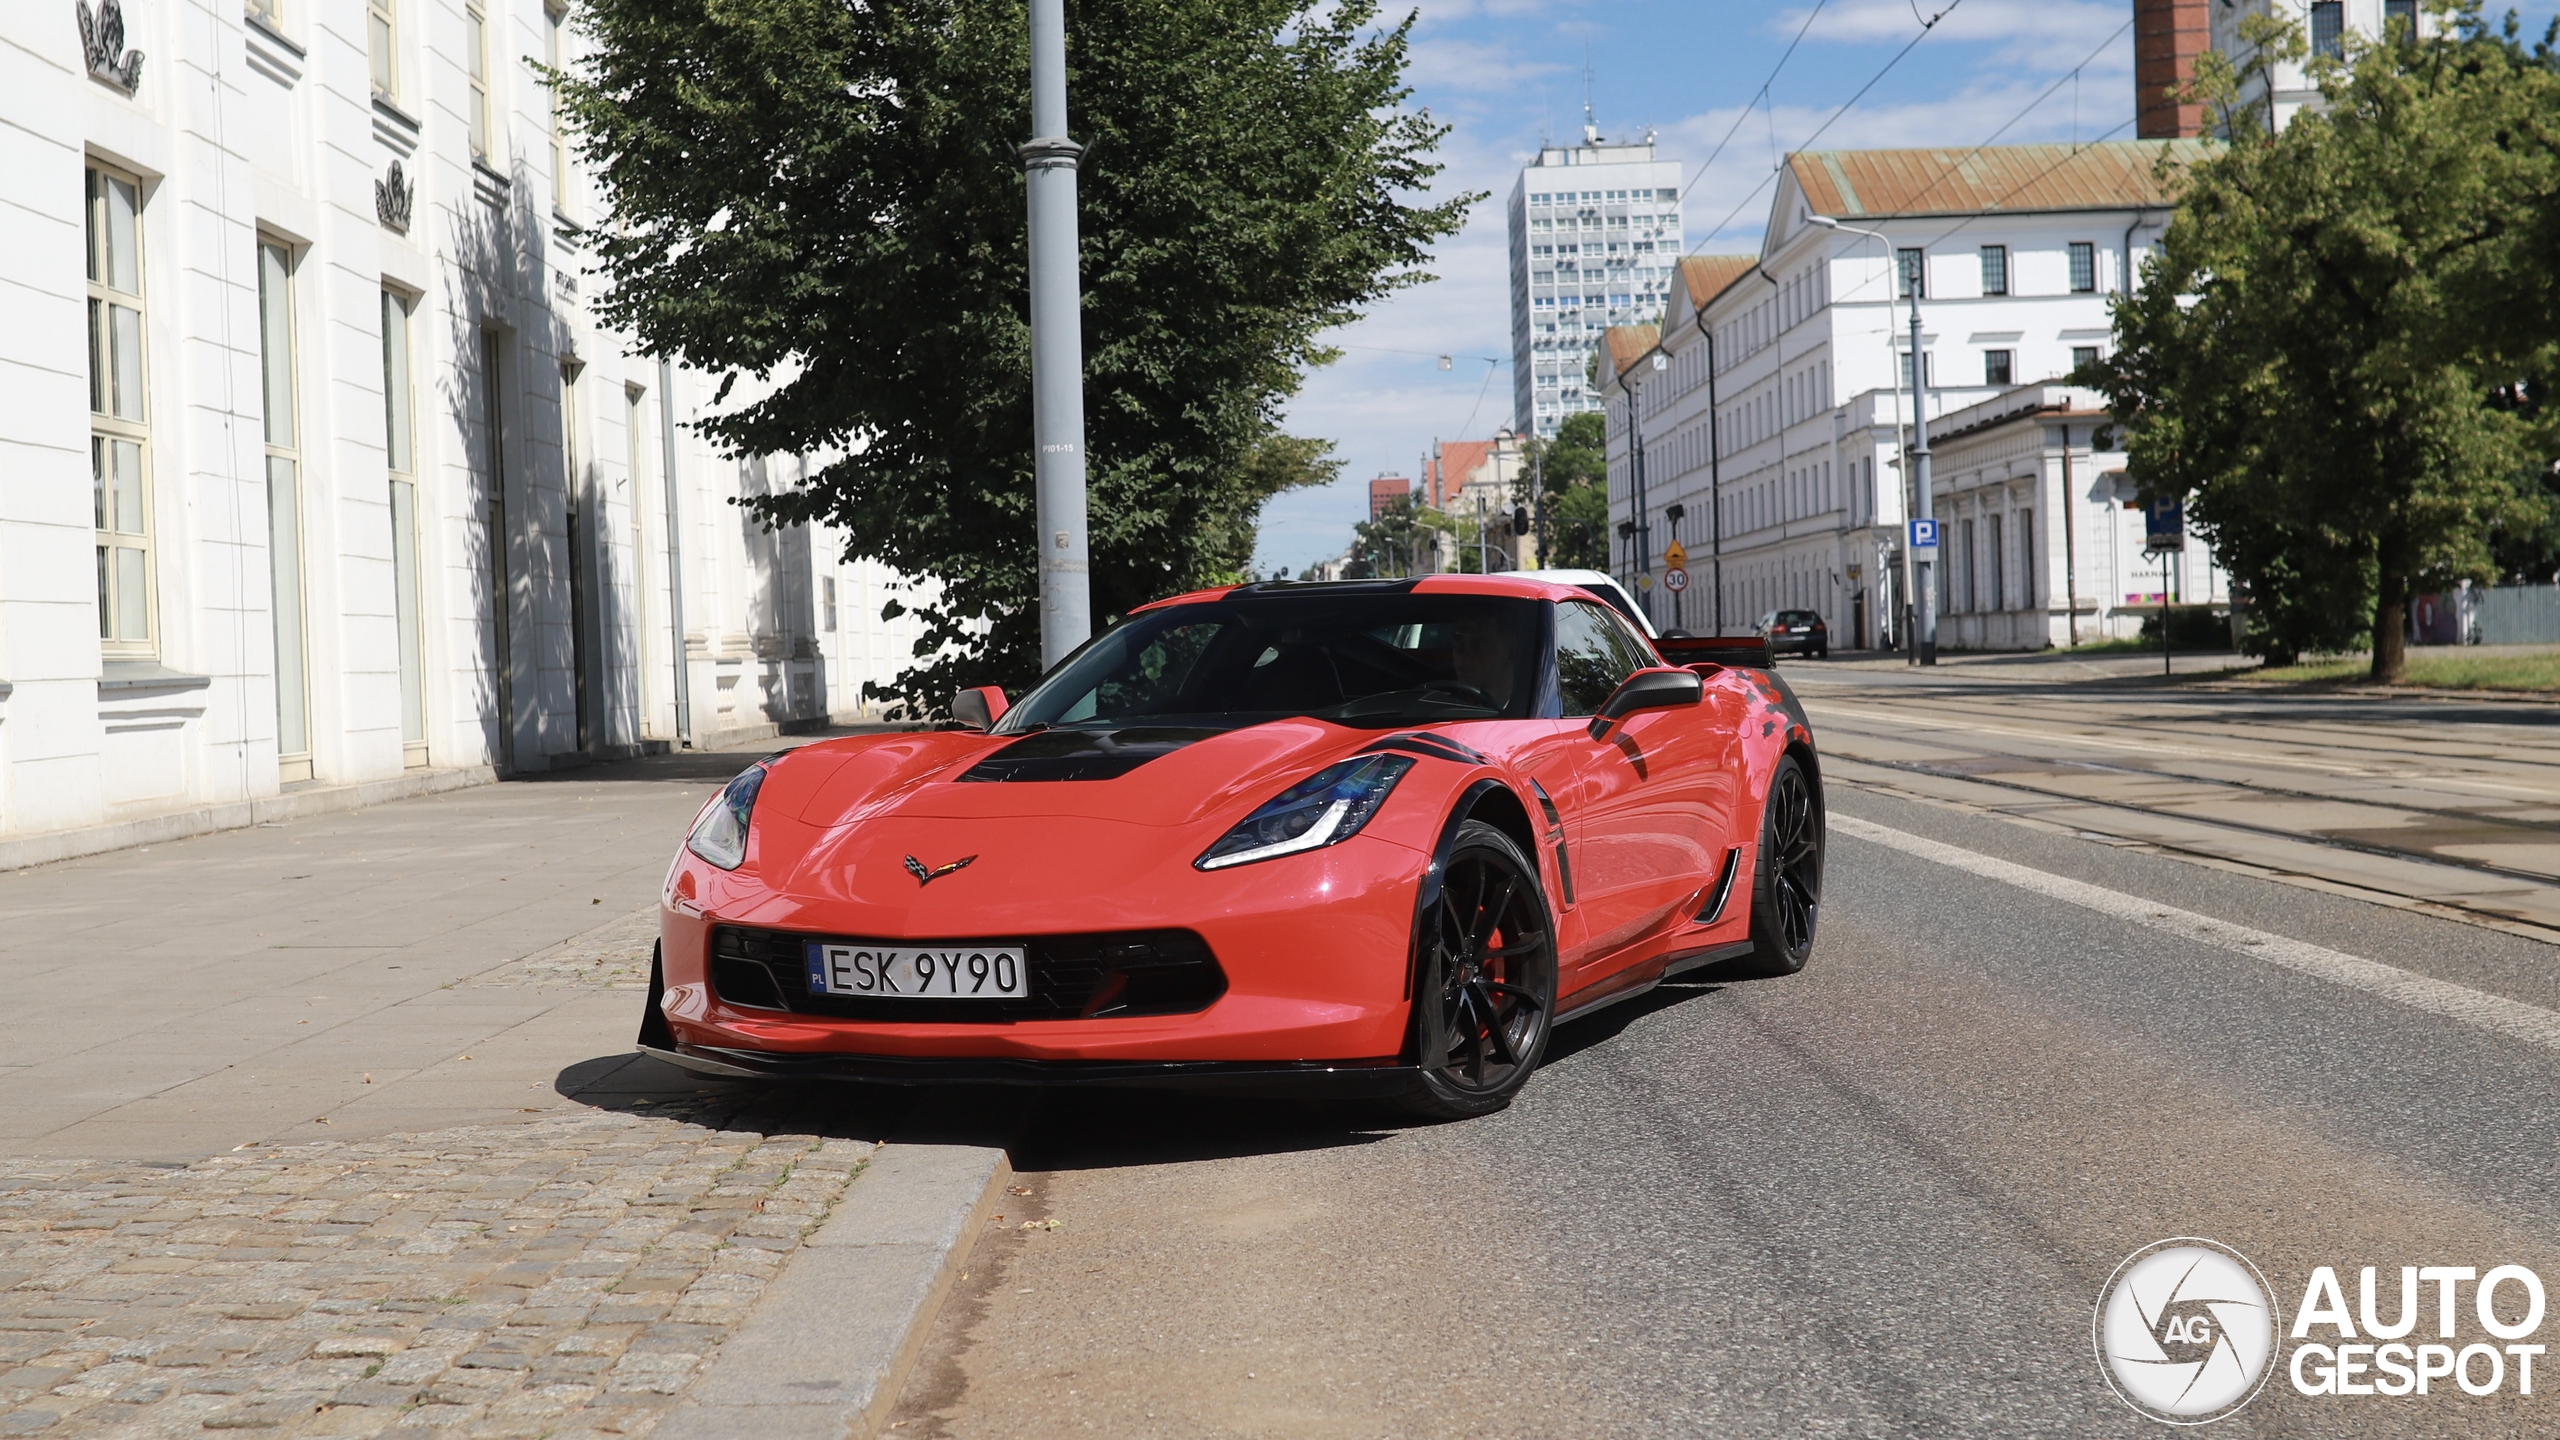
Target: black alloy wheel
1485 984
1786 883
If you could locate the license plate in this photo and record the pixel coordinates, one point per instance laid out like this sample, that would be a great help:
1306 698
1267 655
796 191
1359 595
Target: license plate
913 972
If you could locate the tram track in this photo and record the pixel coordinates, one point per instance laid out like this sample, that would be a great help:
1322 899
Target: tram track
2397 798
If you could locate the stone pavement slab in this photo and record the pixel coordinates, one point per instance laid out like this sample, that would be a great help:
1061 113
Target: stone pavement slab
572 1275
419 965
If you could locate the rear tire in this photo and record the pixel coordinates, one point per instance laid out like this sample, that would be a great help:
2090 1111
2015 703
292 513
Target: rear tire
1485 979
1786 879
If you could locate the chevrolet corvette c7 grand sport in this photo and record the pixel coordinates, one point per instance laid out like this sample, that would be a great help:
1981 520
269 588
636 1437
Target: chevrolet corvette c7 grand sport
1366 837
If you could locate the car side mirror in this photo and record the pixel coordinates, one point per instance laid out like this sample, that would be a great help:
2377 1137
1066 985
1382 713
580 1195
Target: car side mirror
1665 689
979 708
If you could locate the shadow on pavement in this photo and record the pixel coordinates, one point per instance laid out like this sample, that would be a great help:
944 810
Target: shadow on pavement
1100 1129
1575 1036
1064 1128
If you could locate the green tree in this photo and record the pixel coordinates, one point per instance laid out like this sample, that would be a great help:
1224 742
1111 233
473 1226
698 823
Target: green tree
2312 359
824 198
1397 542
1573 473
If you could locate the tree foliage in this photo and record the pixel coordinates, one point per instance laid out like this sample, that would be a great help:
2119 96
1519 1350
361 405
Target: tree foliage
824 197
1573 476
2317 356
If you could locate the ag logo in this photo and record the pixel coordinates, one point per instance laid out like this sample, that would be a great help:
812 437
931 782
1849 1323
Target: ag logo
2185 1331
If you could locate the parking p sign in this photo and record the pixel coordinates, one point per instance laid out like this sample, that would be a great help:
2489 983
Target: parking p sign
1924 536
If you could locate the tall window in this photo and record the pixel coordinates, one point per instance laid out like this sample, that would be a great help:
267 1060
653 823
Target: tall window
2084 267
475 59
582 566
554 20
2328 28
2027 597
2082 357
284 506
119 438
2402 12
1999 595
1995 269
1995 367
381 30
1915 274
400 447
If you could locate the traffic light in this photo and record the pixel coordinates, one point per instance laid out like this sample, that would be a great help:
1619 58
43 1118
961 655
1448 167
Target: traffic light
1519 519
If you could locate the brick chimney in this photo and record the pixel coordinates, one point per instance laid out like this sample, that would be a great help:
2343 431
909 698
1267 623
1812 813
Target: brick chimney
2168 35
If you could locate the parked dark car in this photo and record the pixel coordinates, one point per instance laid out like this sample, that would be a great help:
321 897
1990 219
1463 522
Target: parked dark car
1796 632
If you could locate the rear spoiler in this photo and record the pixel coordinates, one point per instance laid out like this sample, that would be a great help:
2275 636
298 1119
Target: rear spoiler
1748 652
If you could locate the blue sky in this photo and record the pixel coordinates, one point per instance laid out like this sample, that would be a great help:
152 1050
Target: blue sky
1504 72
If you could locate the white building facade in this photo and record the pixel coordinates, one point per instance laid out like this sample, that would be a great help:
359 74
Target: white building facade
1803 415
1595 239
2325 24
323 485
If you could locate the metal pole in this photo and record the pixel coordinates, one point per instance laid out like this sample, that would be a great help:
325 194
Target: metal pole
2070 540
1057 346
1923 506
1715 474
675 553
1635 476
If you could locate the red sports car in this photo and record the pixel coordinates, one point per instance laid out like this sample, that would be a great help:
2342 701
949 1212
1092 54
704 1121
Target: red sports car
1376 837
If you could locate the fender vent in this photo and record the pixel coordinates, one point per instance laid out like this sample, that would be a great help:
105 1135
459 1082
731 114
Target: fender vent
1723 890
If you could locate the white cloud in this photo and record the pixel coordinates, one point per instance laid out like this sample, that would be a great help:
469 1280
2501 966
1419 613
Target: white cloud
1382 408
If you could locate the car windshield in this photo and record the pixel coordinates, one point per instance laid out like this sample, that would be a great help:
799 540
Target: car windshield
1369 660
1797 617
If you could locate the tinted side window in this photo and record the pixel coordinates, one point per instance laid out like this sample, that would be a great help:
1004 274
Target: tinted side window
1633 648
1591 656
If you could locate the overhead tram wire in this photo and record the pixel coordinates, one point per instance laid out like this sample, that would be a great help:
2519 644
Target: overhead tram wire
1994 137
1760 94
1926 28
2024 111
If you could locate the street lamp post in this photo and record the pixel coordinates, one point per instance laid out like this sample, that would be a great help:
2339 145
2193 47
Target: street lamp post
1715 474
1673 514
1057 346
1925 650
1635 480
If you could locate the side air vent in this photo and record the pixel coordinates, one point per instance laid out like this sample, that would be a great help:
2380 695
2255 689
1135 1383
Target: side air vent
1723 890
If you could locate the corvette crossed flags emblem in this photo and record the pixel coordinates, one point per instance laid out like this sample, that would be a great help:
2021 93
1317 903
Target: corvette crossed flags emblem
924 876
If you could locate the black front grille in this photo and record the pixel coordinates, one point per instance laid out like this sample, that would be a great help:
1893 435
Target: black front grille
1124 972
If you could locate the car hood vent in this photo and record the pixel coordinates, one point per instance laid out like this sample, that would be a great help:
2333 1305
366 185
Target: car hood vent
1081 754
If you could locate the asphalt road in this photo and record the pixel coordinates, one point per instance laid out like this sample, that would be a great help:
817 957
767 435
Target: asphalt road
1878 1198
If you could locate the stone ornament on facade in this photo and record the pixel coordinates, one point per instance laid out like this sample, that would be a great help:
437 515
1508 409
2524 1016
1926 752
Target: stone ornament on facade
102 36
392 195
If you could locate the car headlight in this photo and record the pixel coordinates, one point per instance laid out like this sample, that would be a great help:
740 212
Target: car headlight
1326 808
720 836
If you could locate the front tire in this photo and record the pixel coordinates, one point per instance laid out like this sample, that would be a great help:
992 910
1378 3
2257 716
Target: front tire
1485 979
1786 880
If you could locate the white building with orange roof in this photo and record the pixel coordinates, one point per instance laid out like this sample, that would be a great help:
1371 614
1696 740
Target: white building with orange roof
1776 418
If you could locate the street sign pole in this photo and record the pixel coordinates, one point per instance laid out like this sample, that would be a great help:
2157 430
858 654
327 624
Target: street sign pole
1057 347
1924 503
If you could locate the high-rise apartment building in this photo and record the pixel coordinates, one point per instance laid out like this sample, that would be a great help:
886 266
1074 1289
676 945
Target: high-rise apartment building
1595 239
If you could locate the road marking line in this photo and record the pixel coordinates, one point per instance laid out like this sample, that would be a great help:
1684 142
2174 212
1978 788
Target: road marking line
2512 1018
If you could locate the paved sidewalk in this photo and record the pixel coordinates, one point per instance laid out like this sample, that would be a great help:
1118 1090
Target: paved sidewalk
335 1129
566 1277
424 964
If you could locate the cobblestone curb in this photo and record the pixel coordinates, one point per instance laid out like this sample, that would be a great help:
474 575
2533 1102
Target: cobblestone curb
564 1277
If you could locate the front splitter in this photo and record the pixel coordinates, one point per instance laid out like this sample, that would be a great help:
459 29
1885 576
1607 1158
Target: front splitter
1310 1078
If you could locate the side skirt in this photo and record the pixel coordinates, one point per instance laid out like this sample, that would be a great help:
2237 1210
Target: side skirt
1627 985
